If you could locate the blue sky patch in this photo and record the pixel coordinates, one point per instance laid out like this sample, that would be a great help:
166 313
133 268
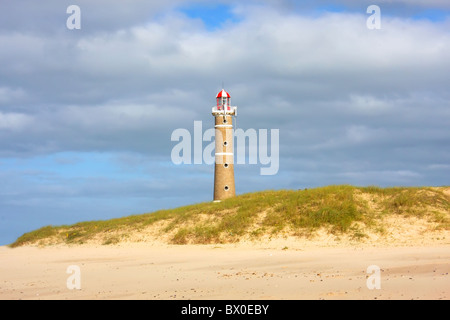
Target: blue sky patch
331 8
212 15
434 15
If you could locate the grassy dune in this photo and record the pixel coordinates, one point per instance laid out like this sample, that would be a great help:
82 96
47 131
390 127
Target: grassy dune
340 209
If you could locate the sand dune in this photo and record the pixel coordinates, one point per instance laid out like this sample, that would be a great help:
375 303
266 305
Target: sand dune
244 271
410 246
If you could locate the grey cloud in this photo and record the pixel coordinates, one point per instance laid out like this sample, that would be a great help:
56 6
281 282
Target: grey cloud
328 70
101 15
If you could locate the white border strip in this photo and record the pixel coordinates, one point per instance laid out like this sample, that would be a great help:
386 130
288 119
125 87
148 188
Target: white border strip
223 126
224 154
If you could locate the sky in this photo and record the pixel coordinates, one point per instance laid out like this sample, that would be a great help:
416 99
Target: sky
86 115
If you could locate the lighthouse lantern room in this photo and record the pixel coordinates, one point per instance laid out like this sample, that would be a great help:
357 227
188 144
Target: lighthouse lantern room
223 100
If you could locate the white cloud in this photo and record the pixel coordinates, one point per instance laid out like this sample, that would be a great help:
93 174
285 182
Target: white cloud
14 121
368 104
360 134
439 167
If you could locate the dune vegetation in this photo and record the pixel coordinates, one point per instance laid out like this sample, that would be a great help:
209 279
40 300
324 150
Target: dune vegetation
339 209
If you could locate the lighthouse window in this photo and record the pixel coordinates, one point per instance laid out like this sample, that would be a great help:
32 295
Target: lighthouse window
225 121
226 188
225 143
226 165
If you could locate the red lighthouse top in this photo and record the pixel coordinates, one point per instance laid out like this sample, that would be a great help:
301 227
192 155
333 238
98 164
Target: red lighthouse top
223 100
223 94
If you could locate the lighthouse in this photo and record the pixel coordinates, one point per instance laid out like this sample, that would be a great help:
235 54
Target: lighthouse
223 114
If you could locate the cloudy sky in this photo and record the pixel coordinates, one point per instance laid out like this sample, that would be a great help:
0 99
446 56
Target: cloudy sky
86 116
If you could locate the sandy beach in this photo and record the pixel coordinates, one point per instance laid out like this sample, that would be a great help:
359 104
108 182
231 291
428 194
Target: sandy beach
263 271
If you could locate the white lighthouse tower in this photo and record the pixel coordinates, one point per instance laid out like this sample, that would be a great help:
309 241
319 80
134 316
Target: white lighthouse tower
224 167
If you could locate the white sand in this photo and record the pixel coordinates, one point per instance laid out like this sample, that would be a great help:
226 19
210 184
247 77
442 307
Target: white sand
264 271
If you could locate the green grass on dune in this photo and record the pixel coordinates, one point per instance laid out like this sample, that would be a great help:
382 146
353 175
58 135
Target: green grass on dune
300 211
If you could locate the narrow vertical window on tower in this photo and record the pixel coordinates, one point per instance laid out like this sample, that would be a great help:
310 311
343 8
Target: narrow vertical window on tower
223 112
